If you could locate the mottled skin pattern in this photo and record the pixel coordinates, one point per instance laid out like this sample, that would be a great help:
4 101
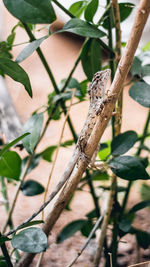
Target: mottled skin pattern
98 96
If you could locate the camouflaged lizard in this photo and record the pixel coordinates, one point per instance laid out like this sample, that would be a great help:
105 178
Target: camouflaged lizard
98 97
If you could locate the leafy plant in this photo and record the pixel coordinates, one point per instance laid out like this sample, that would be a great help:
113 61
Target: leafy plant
117 158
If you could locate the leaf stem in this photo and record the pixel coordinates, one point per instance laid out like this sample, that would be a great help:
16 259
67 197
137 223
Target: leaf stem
64 9
92 190
6 255
105 222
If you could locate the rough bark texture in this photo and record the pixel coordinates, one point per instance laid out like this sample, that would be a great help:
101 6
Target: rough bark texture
102 121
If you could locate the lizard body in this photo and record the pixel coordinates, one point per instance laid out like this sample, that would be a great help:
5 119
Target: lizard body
98 96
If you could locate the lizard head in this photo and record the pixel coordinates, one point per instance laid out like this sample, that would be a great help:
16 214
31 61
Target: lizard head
99 82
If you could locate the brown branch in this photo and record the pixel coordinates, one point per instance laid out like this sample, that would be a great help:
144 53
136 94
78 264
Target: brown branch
118 116
103 119
115 7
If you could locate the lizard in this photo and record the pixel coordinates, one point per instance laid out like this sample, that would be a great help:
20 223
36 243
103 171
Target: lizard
98 97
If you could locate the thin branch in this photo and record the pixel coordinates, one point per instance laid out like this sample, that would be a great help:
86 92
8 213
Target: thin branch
105 222
54 163
87 241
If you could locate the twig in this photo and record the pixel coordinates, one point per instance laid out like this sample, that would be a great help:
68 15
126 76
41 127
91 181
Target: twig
53 166
87 241
102 121
105 222
57 150
110 254
138 264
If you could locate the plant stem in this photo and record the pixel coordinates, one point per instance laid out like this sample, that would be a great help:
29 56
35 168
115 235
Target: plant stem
72 71
49 72
64 9
92 190
145 130
6 255
4 193
111 55
105 222
17 192
116 125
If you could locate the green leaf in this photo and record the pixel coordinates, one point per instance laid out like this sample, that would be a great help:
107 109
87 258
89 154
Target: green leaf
14 142
141 205
33 163
92 214
91 58
10 165
105 150
31 11
77 8
67 143
70 229
52 106
48 153
143 239
136 68
16 72
144 161
128 168
140 92
32 240
73 83
64 96
119 188
91 10
82 28
125 224
3 262
11 38
145 192
84 86
87 228
125 10
146 47
29 49
146 70
32 188
3 239
34 126
98 176
123 142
